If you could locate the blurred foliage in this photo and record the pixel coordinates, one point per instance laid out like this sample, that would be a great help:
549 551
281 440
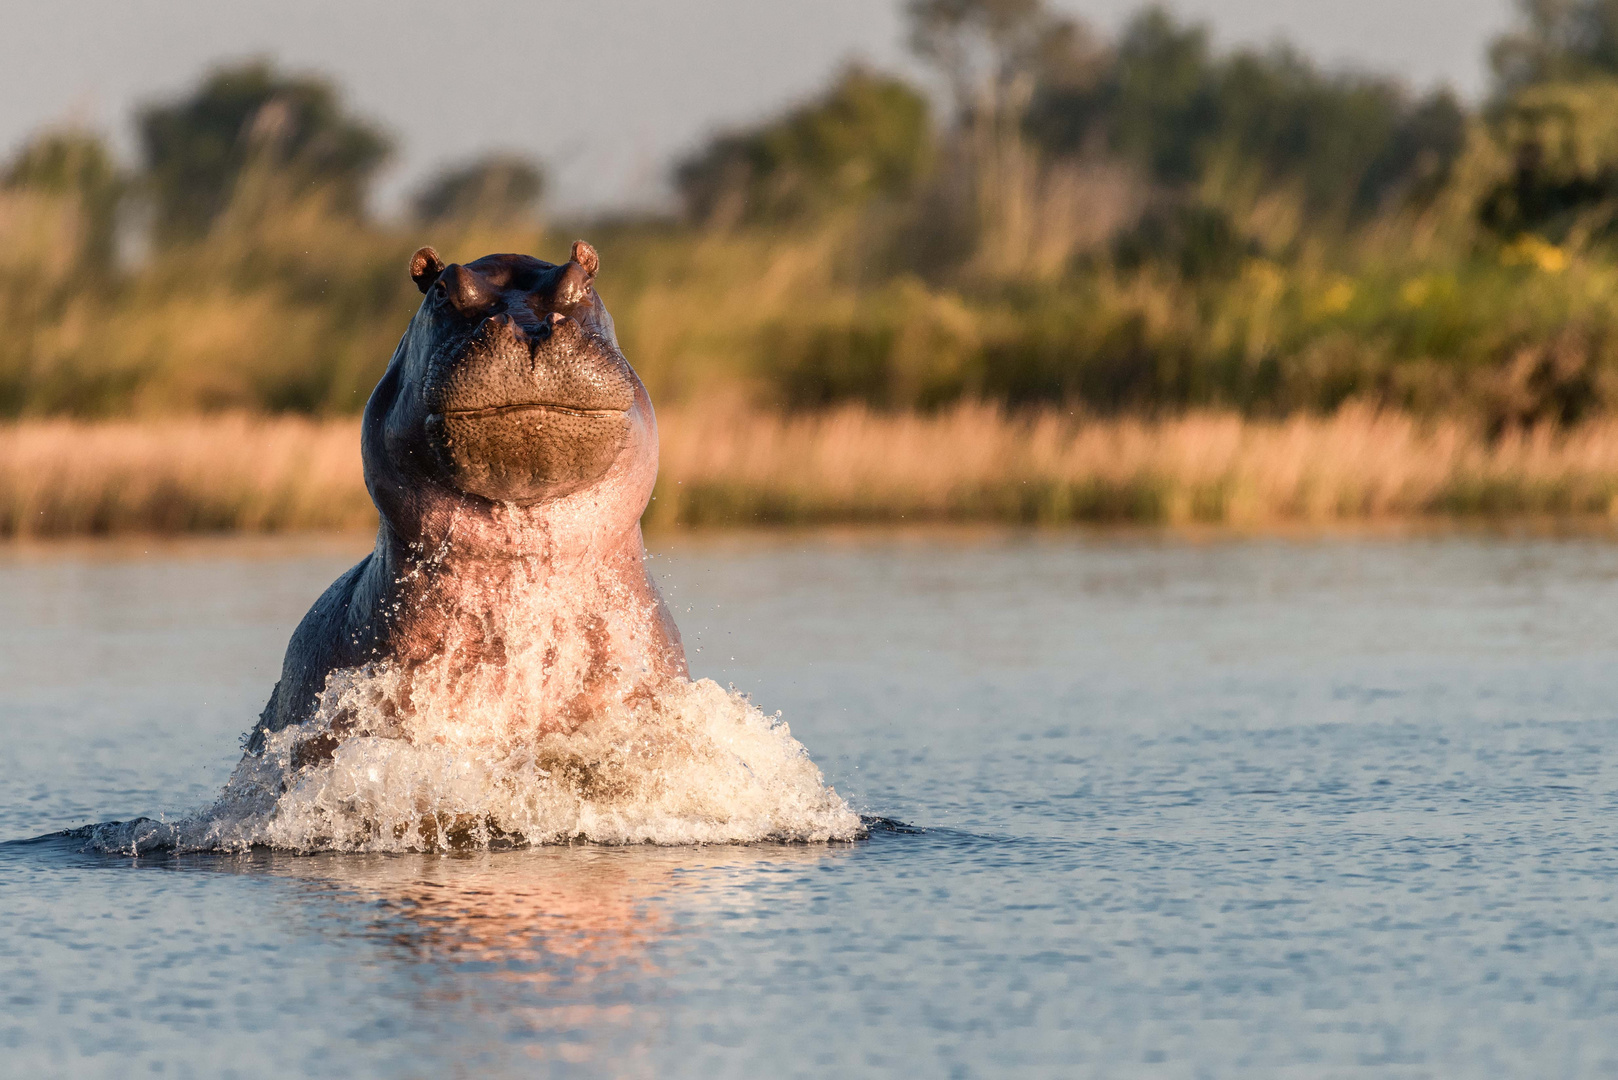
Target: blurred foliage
1558 41
498 188
1253 121
1562 139
1138 225
77 167
869 135
199 148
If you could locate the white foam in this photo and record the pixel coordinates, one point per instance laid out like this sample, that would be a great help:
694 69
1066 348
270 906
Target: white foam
692 763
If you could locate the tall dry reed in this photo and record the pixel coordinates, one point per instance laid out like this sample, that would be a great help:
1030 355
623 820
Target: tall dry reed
977 463
197 474
735 466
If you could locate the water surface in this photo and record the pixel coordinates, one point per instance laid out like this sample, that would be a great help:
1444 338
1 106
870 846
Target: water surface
1257 808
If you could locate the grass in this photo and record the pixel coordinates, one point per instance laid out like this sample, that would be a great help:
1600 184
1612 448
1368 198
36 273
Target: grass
738 466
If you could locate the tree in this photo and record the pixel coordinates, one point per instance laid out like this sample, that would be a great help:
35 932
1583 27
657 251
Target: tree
1556 86
496 188
198 148
1346 142
868 136
992 53
1559 41
1562 139
77 165
1165 102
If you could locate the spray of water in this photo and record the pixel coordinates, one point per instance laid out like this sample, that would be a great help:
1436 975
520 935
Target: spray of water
693 764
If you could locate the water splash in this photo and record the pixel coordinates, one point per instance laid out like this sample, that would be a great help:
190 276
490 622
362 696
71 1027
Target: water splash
376 770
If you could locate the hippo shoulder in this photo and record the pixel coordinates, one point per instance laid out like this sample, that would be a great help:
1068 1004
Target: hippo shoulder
323 642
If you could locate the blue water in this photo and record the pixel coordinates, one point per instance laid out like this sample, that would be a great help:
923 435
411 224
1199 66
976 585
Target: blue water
1250 808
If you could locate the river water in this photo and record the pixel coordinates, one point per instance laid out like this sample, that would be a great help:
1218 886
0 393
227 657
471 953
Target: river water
1328 807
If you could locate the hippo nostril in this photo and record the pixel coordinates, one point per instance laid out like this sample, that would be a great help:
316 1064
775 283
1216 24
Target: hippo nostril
495 327
549 323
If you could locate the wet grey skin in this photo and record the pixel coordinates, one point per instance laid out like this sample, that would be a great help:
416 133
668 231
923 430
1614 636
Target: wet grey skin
507 428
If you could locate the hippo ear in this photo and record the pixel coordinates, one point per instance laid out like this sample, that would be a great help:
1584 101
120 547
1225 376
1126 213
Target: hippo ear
586 257
572 283
425 266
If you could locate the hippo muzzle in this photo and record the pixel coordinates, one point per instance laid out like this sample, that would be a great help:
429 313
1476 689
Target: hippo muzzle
535 401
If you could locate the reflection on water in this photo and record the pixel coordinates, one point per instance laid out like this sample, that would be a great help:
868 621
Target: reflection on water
549 947
544 917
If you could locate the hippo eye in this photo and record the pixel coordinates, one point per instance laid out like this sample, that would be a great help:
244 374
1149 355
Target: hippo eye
441 287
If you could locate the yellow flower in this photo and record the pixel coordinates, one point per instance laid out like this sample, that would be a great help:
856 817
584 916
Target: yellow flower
1338 297
1415 292
1531 250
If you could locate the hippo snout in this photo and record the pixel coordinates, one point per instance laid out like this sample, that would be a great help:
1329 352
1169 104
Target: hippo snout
528 329
534 407
523 361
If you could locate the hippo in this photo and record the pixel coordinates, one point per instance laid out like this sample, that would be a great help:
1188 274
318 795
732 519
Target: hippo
510 450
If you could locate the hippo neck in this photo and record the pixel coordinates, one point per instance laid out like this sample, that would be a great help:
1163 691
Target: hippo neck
548 635
458 576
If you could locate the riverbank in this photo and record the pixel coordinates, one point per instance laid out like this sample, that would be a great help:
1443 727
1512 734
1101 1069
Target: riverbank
727 467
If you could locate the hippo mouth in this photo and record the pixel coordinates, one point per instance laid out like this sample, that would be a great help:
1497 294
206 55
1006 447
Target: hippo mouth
525 452
532 406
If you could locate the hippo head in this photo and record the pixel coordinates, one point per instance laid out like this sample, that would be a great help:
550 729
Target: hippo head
509 387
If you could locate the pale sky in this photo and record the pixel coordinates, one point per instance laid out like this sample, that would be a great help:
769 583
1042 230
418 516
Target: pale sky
606 93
